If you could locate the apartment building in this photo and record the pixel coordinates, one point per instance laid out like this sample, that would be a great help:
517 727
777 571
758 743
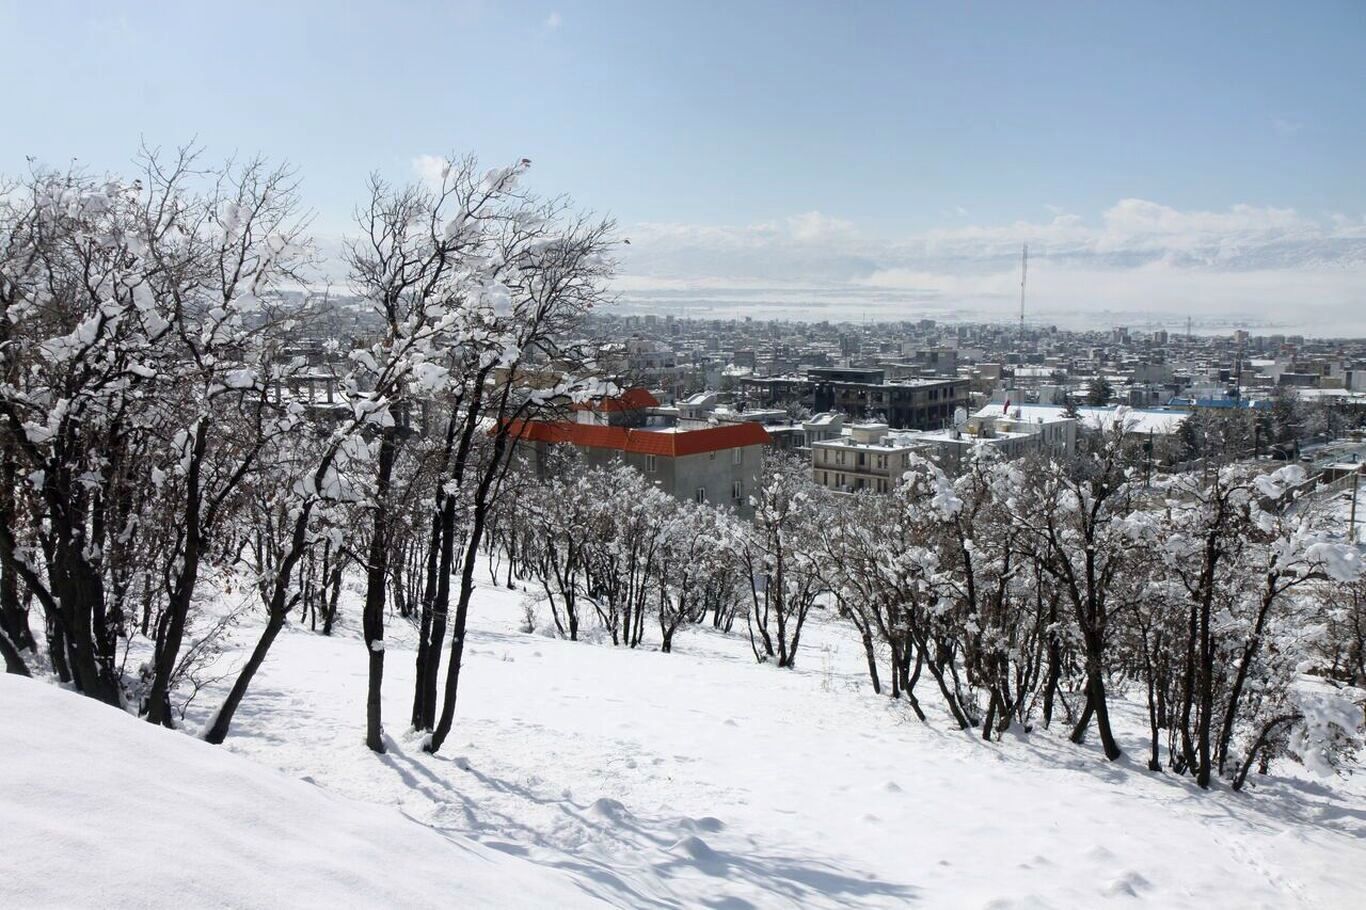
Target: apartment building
874 457
865 394
870 457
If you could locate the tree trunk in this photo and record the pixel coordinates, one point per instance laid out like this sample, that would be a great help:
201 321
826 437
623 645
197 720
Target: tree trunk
171 624
1204 768
217 730
871 654
280 605
440 613
13 616
1053 675
1263 738
1096 704
80 595
376 579
491 471
14 661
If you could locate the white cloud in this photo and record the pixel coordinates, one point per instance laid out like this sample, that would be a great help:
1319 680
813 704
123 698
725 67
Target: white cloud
813 227
431 169
1135 257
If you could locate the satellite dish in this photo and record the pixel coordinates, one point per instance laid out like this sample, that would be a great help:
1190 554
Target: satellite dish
960 418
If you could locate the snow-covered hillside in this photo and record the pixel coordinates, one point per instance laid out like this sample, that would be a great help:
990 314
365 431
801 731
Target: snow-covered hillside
100 810
581 773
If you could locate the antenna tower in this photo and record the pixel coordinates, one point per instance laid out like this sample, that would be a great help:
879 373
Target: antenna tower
1024 273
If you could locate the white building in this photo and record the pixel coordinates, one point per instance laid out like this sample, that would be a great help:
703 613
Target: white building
871 456
1134 420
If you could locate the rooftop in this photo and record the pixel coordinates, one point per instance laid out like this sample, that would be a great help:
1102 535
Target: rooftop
631 400
1138 420
671 442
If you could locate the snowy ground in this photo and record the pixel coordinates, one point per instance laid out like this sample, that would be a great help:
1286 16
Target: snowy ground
99 810
702 779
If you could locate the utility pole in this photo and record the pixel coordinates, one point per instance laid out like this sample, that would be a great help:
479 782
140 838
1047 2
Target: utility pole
1352 517
1238 378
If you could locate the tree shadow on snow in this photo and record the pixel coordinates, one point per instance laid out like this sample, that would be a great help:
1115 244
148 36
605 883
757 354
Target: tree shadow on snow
1270 803
663 861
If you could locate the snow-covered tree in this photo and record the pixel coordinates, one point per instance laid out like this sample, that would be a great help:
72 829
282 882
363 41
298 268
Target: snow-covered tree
1238 561
778 554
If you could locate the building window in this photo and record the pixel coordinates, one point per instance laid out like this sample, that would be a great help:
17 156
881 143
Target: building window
650 464
737 491
700 495
738 456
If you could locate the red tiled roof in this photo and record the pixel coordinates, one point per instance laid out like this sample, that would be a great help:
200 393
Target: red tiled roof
646 442
634 399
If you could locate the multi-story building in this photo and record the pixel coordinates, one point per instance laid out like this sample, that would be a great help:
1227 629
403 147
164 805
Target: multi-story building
864 393
952 449
716 464
1132 420
913 404
869 458
874 457
1051 432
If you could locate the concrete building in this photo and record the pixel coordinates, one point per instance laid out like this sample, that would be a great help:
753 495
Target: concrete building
1133 420
1054 433
871 457
716 464
907 403
820 427
952 449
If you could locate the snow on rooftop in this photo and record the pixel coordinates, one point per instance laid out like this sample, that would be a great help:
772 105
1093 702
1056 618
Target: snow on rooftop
1135 419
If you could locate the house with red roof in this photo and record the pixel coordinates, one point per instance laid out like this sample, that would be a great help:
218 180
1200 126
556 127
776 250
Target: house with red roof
719 464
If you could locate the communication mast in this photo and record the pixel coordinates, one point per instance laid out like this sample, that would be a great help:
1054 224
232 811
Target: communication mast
1024 272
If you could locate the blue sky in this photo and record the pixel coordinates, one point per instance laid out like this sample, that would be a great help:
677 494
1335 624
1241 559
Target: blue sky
878 148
